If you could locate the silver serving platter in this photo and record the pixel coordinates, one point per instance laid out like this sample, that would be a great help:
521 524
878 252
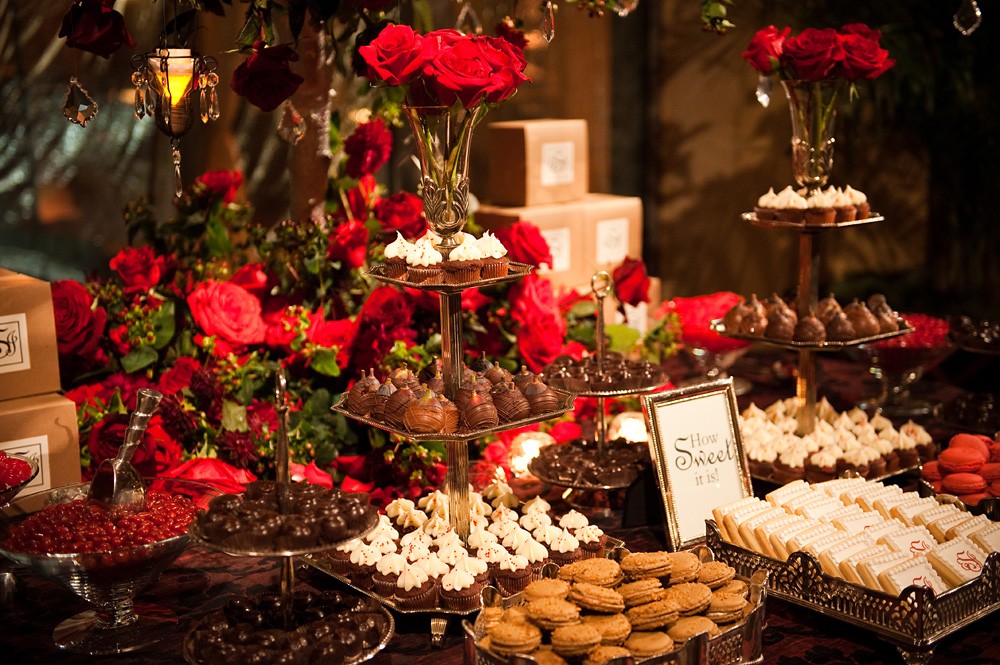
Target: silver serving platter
739 644
576 484
886 476
236 548
365 655
800 226
989 507
914 621
719 326
515 272
463 434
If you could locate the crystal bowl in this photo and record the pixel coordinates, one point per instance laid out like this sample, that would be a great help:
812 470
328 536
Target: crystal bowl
8 493
109 580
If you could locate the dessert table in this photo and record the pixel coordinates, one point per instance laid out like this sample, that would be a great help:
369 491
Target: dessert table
201 579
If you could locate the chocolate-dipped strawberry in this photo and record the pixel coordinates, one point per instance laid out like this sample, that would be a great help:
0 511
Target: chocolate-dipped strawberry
523 378
361 396
396 405
425 414
887 321
498 374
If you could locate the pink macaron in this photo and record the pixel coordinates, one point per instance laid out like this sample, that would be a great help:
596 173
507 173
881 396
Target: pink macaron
960 460
975 441
930 471
963 483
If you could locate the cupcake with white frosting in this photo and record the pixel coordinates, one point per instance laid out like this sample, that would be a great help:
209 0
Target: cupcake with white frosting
494 257
395 257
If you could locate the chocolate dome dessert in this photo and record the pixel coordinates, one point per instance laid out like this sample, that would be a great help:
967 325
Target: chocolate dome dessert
809 329
479 411
840 329
510 403
425 414
541 398
361 396
864 322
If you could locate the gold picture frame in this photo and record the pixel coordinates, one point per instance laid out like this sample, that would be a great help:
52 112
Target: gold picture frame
697 450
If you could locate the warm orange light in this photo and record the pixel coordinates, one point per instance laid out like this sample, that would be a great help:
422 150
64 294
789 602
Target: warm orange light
178 77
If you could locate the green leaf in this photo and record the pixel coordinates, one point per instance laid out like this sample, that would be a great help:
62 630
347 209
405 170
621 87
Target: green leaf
621 338
583 309
324 361
217 237
139 358
249 34
234 417
164 325
423 17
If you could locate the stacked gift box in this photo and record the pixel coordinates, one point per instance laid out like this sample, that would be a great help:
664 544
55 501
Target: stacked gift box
35 420
539 173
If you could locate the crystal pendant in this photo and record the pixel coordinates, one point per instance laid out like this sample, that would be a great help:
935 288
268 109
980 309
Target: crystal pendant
548 20
967 18
78 107
212 80
626 7
175 154
291 126
139 81
203 98
468 20
763 90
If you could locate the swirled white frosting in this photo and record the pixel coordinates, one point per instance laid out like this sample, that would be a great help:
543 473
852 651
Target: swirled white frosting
533 551
391 564
490 246
423 255
855 196
789 199
768 200
536 505
564 542
456 580
433 565
516 538
412 577
573 520
399 248
533 521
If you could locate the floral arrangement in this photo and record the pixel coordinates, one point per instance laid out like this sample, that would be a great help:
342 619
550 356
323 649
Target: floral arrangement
853 52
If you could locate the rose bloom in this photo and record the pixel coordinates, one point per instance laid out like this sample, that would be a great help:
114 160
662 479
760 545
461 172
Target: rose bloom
460 72
367 148
533 298
220 183
212 472
79 325
508 31
863 57
329 334
310 473
179 376
813 54
631 282
765 48
507 64
525 244
361 199
264 78
349 244
95 26
253 278
402 212
139 268
157 452
384 319
540 340
396 56
227 311
284 326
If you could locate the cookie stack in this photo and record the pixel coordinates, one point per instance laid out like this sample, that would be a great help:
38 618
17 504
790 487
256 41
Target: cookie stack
595 610
969 468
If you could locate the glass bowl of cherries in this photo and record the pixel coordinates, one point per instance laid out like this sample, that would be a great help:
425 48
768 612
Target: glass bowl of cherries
16 471
62 536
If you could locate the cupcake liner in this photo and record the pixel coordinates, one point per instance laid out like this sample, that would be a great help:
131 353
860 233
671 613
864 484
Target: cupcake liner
425 599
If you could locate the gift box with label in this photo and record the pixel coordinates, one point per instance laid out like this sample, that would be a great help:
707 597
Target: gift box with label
29 359
44 428
535 162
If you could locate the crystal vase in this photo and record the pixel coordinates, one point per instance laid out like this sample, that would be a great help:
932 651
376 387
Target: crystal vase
443 139
813 108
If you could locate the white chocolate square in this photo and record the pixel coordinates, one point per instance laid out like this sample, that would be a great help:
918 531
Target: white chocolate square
800 540
885 504
858 522
908 511
969 527
870 569
831 558
936 513
779 496
764 531
747 527
720 512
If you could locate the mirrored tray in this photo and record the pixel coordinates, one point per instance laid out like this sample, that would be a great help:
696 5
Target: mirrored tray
365 655
914 621
809 228
515 272
988 507
565 404
739 644
719 326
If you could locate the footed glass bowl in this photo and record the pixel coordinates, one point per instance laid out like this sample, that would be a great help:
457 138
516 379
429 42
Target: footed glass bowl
8 493
109 579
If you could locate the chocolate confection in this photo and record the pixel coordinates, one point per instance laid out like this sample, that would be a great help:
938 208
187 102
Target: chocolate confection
578 462
839 329
436 383
382 396
541 398
479 411
498 374
826 308
424 415
780 325
864 322
887 322
754 320
734 317
396 405
809 329
616 373
511 405
361 396
523 378
450 411
481 364
463 394
404 377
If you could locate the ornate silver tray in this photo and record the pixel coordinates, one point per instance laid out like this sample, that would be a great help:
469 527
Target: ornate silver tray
740 643
719 326
365 655
799 226
886 476
914 621
565 404
579 484
988 507
515 272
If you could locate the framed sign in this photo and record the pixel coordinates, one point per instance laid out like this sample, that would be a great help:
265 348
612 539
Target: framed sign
694 437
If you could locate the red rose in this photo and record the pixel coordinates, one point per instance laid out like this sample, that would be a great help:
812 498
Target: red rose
696 314
396 56
474 300
402 212
310 473
765 48
139 268
533 298
95 26
565 431
227 311
253 278
384 319
863 57
284 326
212 472
349 244
224 184
329 334
631 282
179 376
540 341
812 55
507 65
367 148
79 324
508 31
361 199
525 244
264 78
157 452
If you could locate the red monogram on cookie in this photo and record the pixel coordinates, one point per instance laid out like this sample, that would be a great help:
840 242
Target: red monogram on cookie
918 546
968 561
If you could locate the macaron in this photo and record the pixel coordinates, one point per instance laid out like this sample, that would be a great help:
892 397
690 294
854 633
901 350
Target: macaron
995 451
930 471
962 484
973 499
974 441
960 460
936 486
995 488
990 471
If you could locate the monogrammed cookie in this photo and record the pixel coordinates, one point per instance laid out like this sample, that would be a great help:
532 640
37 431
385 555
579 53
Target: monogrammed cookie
644 644
688 627
602 655
614 628
596 598
684 566
602 572
576 640
653 615
640 592
551 613
646 564
507 639
715 574
690 597
548 587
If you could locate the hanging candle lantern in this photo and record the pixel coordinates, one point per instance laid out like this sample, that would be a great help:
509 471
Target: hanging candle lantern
166 80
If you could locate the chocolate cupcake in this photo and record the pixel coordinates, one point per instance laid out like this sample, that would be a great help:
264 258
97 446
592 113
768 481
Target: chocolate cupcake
460 591
415 590
387 572
494 262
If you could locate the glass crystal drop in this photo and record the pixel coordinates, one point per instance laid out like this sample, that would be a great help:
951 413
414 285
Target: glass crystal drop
468 20
213 104
548 20
763 90
175 154
967 18
626 7
140 104
78 107
291 126
203 104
